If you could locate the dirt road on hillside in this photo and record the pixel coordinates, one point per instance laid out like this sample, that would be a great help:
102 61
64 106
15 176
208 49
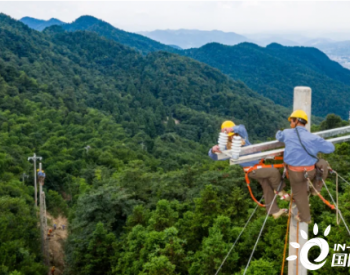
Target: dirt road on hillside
56 243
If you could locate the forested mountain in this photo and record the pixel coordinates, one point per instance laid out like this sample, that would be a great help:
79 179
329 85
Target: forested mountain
62 91
133 40
275 70
38 24
124 139
194 38
267 39
102 74
272 71
337 50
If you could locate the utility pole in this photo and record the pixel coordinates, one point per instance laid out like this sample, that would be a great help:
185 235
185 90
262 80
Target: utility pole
143 146
302 101
271 149
24 175
43 220
34 158
87 148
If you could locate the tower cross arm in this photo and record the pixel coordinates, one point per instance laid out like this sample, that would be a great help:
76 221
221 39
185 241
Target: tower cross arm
277 152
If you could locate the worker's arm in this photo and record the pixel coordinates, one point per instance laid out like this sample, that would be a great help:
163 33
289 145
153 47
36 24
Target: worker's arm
241 130
280 136
214 156
325 146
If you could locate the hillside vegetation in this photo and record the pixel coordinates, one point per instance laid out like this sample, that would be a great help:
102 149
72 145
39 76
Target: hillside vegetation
271 71
141 195
275 70
139 42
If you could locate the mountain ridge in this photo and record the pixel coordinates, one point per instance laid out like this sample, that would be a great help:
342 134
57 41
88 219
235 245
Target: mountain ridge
211 85
133 40
254 65
39 24
186 38
274 71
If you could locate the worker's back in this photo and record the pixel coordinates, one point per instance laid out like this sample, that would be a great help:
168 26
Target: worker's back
295 154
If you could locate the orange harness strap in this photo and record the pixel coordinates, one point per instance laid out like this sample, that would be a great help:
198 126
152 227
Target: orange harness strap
255 167
331 206
301 168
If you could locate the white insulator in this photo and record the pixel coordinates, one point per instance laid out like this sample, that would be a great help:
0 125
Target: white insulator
223 139
236 146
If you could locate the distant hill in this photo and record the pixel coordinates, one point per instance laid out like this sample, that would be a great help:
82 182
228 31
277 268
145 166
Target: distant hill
336 50
317 41
176 47
272 71
133 40
104 74
194 38
275 70
40 25
264 40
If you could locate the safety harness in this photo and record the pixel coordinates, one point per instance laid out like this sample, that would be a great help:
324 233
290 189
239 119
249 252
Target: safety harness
260 165
309 168
305 169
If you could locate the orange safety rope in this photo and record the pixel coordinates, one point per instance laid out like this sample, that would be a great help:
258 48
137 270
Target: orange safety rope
254 199
321 197
255 167
297 271
286 238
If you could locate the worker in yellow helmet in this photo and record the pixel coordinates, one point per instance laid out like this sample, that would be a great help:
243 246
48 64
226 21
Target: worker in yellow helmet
300 155
270 179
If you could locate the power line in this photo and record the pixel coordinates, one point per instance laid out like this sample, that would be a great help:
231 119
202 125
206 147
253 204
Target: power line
257 206
340 214
342 178
262 228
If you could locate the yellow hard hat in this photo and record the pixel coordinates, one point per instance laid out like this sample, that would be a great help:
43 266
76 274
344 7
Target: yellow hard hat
298 114
227 124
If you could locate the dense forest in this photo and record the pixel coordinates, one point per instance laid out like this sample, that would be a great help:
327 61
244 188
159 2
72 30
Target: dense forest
275 70
139 42
145 198
271 71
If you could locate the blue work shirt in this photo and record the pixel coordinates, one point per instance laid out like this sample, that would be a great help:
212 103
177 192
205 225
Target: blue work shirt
240 130
295 154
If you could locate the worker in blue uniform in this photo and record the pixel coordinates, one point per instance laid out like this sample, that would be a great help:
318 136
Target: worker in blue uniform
300 155
270 179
